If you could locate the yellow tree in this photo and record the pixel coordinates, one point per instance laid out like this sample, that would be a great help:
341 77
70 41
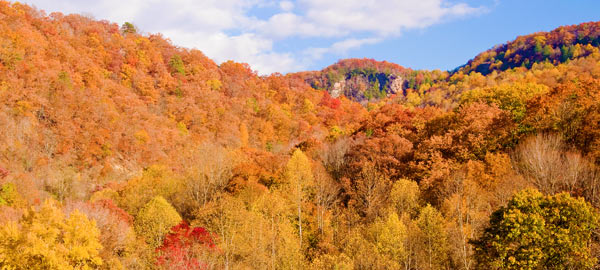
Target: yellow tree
300 177
432 239
45 239
390 235
155 219
156 180
405 196
253 230
534 231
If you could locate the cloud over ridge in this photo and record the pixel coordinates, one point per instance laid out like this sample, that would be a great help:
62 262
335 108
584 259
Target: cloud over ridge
249 30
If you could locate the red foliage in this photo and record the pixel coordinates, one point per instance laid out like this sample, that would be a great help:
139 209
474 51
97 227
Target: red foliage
329 101
3 173
184 248
113 209
361 63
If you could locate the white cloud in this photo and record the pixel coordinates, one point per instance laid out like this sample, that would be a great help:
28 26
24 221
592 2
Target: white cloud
340 18
229 29
248 48
286 5
339 48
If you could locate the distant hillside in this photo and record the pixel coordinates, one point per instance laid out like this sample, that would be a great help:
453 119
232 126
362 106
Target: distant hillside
91 95
367 79
558 46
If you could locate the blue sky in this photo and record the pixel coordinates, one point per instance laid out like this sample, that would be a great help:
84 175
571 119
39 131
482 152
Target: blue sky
448 45
287 36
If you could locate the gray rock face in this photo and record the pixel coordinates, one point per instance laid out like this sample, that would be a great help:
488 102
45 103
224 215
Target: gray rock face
397 85
355 87
338 89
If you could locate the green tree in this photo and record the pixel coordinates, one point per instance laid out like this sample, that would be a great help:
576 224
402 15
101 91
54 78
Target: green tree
176 63
566 53
547 51
155 219
538 232
128 28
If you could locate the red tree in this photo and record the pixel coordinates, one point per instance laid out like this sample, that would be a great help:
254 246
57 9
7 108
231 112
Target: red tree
186 248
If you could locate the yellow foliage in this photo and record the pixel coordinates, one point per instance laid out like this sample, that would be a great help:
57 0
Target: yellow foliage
23 107
214 84
142 136
155 219
308 106
335 132
413 99
390 237
182 128
156 180
405 196
44 239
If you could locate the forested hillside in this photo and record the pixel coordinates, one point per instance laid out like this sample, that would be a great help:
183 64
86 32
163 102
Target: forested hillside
558 46
120 150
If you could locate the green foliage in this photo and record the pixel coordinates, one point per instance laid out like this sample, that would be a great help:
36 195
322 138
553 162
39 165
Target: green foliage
177 65
547 52
538 232
566 53
128 28
144 101
538 47
335 132
375 91
575 41
155 219
334 77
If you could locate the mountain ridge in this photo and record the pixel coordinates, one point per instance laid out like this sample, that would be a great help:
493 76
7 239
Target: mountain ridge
132 153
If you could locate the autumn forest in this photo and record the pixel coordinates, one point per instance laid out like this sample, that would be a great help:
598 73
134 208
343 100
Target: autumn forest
121 150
